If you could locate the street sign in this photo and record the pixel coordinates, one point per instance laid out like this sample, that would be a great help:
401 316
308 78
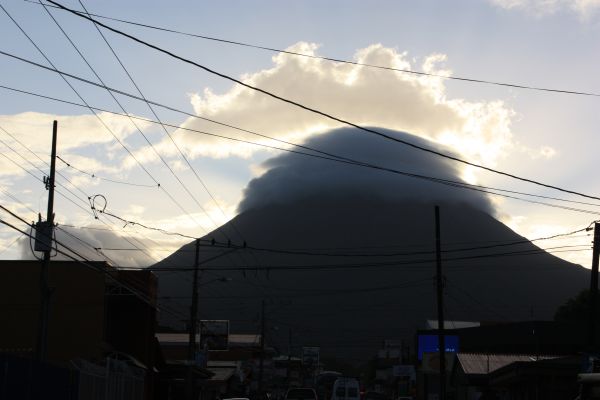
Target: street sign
430 344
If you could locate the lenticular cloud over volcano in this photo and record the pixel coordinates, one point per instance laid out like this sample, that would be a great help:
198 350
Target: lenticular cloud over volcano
292 178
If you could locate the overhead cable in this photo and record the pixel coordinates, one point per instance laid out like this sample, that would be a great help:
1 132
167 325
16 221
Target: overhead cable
336 60
136 126
327 156
327 115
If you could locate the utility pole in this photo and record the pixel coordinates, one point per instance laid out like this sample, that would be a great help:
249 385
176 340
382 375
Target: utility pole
192 326
289 354
594 291
262 347
440 305
44 236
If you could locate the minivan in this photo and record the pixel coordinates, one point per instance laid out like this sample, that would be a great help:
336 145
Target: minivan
346 389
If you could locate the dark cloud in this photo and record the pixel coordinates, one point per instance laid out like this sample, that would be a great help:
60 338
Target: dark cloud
292 177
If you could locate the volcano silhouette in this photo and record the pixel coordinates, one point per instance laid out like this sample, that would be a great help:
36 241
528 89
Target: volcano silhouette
354 259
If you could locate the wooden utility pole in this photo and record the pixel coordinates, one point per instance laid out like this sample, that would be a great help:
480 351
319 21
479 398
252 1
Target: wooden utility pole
192 326
262 348
44 237
592 340
440 305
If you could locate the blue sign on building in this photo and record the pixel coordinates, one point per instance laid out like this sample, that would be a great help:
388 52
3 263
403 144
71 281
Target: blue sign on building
429 344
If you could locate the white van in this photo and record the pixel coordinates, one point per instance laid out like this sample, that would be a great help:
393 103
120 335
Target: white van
345 389
589 386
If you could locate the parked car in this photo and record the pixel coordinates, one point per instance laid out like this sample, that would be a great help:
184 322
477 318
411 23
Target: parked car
301 394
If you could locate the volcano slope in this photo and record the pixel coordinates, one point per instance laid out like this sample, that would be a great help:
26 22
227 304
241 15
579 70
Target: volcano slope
343 256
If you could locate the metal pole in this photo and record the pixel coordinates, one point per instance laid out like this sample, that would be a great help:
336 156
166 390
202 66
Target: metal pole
594 290
289 354
192 328
440 305
262 348
42 345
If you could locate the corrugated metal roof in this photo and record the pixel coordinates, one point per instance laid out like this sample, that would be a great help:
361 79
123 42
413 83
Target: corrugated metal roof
433 324
476 363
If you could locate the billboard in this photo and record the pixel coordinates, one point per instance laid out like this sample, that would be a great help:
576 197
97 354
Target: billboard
310 356
429 344
214 335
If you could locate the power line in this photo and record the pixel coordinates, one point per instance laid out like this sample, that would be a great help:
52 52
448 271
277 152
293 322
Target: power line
228 244
83 261
92 110
14 198
103 211
133 223
179 150
327 292
336 157
394 254
336 60
39 179
324 114
8 246
160 157
78 95
473 299
93 175
39 169
375 265
182 154
84 194
329 157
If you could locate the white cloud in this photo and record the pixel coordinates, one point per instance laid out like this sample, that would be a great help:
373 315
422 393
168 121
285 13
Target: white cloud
367 96
531 227
542 152
34 130
585 9
74 131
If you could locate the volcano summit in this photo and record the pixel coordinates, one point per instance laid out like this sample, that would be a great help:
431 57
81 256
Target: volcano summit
344 255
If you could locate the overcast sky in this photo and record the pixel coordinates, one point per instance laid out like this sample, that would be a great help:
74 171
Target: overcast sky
545 136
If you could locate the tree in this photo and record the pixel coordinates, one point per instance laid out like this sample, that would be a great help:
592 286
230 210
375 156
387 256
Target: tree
576 309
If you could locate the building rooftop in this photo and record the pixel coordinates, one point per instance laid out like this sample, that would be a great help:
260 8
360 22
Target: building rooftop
433 324
235 340
477 363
